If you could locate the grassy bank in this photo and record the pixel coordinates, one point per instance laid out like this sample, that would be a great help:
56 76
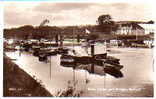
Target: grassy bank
17 82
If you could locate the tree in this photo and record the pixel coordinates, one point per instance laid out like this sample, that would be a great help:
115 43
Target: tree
150 22
93 36
25 31
106 24
104 20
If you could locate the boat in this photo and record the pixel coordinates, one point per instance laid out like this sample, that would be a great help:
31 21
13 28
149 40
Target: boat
102 63
42 57
101 56
62 50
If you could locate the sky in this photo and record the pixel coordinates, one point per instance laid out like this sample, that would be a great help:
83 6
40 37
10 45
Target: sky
73 13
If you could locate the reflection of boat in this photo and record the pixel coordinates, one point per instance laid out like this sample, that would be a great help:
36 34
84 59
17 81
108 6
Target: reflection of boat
67 61
113 71
70 91
116 66
112 60
99 70
102 64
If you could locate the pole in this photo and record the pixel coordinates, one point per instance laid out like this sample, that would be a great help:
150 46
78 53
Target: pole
74 82
78 38
104 76
20 51
50 67
153 65
56 39
86 81
136 35
85 76
117 41
61 41
73 38
105 46
92 54
74 78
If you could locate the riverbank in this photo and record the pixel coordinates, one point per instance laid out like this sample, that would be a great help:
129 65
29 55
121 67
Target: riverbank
16 82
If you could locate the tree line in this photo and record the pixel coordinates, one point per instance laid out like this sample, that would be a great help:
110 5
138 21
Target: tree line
105 25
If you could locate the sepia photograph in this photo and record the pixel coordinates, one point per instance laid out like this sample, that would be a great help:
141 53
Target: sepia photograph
78 49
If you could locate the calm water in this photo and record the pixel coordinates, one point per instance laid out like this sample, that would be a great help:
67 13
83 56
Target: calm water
137 81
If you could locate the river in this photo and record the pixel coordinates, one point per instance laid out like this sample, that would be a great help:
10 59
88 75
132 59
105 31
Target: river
138 74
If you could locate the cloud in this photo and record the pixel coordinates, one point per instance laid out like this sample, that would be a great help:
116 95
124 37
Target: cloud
60 7
17 14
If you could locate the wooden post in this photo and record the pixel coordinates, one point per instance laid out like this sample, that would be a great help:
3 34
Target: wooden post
61 40
20 51
78 38
92 54
56 39
73 38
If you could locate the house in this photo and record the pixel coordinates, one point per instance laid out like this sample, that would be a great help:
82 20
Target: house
130 29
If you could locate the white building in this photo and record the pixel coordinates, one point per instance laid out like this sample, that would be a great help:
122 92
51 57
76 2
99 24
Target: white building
130 29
